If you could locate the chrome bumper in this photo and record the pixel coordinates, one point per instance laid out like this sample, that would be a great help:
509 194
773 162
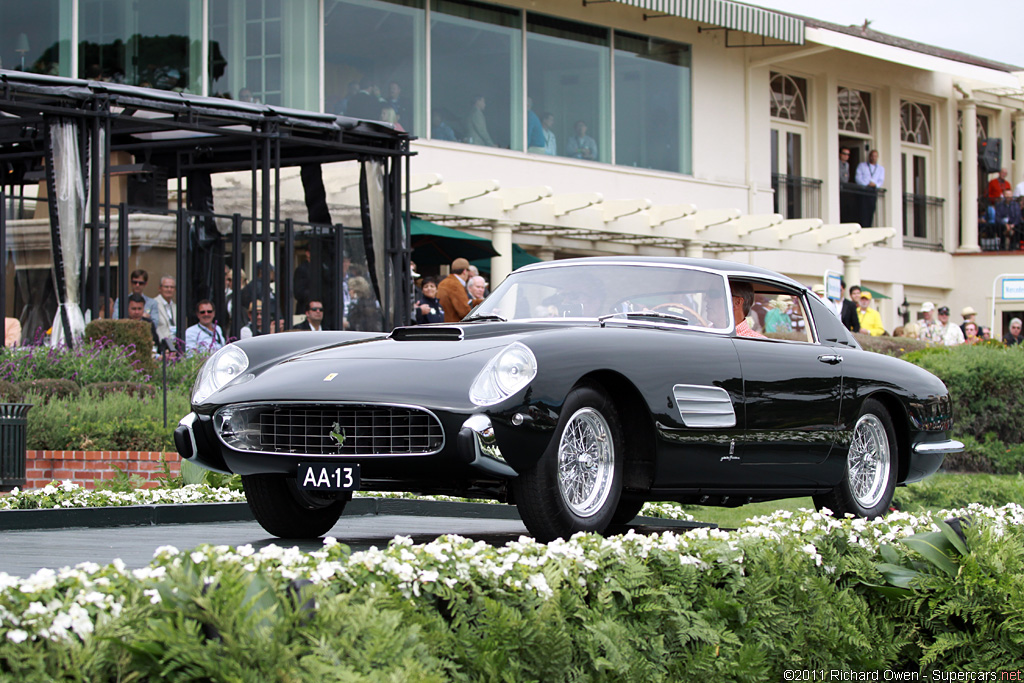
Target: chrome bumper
939 447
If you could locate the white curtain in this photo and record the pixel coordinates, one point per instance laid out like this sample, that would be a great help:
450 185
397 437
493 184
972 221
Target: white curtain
71 211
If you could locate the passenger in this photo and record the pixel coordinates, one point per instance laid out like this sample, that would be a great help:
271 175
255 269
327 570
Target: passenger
742 300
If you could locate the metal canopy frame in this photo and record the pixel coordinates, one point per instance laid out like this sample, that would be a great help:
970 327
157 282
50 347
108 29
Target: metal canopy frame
185 134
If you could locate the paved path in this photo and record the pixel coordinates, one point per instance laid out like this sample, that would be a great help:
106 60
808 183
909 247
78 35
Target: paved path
24 552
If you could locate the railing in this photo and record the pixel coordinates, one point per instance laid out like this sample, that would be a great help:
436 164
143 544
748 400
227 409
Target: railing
864 205
796 196
991 235
923 221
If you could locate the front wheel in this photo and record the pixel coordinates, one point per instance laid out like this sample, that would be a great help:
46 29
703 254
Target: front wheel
871 464
575 486
285 511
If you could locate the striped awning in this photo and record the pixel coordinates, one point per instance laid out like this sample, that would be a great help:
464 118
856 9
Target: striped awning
731 15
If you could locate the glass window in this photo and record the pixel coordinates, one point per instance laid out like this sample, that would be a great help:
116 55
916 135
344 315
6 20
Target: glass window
476 73
916 123
258 53
854 110
652 103
567 78
152 43
789 97
30 36
375 50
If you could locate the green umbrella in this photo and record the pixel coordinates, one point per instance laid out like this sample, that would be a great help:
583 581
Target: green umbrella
436 245
874 294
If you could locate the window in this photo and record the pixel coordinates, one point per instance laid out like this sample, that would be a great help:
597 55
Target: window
916 123
30 36
652 103
779 314
261 53
854 111
476 72
788 97
151 43
376 47
568 83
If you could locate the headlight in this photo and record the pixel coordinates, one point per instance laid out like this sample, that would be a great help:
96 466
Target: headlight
223 366
513 368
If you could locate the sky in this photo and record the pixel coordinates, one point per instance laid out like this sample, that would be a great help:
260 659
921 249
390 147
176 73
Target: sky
993 29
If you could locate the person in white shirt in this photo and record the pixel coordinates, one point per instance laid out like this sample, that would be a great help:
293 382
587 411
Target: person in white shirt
166 325
206 335
1019 190
870 176
951 334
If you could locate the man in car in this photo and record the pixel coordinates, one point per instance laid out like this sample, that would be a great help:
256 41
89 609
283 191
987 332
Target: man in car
742 300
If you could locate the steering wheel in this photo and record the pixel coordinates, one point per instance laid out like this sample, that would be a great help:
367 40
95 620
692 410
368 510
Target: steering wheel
674 305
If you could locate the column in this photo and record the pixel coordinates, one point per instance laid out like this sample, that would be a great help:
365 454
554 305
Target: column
1018 150
851 271
695 249
969 178
501 265
546 254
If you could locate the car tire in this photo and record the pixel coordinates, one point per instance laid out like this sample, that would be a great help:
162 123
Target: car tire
284 511
576 484
626 511
869 477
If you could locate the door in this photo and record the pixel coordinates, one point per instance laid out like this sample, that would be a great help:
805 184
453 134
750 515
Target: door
787 150
792 391
914 166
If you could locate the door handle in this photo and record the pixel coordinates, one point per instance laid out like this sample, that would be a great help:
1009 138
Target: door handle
830 358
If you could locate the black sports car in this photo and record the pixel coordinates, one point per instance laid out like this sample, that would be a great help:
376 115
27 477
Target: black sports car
577 391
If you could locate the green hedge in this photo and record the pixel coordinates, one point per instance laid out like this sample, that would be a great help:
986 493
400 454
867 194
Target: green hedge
134 336
102 421
986 384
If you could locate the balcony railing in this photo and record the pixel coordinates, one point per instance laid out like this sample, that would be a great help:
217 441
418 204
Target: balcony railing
796 196
864 205
923 221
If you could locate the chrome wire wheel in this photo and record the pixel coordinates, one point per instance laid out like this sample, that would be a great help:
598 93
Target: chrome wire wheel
869 461
586 462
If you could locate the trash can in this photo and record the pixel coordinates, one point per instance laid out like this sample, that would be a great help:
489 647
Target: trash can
13 428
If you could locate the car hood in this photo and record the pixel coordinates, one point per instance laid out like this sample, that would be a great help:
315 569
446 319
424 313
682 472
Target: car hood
424 365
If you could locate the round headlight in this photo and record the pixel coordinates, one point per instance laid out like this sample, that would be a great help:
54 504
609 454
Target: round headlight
510 370
222 367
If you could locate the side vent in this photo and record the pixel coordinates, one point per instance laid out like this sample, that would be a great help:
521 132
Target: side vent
427 333
704 406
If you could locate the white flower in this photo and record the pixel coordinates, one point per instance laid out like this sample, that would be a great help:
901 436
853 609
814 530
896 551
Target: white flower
17 636
153 595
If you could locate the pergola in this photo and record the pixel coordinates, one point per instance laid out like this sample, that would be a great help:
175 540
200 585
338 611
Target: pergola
75 135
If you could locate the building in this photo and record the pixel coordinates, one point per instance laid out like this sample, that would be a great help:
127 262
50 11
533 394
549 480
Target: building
712 127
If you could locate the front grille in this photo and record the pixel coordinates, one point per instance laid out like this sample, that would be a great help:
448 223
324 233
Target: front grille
358 430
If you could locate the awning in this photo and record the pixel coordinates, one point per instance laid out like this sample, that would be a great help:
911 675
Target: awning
731 15
874 294
437 245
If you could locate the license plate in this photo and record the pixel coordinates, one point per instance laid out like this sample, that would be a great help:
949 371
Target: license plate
328 477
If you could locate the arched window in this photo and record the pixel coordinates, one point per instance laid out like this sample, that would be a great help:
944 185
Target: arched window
916 123
789 97
854 110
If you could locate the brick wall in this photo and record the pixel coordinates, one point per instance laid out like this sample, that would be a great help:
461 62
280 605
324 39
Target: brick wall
85 467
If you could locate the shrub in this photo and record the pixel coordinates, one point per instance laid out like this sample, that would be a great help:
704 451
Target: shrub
48 389
138 389
115 422
890 346
134 336
985 385
11 392
95 361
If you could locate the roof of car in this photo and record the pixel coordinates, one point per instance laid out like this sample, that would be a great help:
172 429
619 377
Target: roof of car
729 268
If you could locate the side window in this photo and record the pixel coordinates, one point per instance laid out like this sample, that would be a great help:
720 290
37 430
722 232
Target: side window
780 314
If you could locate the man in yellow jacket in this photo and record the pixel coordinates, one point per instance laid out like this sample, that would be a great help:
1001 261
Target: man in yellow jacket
870 320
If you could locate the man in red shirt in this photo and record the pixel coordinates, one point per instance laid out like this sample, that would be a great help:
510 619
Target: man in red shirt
998 185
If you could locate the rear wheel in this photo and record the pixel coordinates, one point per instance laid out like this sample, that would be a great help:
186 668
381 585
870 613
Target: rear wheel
285 511
870 476
575 486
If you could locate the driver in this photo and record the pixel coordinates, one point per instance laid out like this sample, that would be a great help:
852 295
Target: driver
584 299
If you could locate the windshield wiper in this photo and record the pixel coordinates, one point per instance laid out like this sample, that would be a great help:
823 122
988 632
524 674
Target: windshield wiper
490 316
644 315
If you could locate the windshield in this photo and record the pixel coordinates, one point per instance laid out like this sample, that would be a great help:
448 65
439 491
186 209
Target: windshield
589 291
